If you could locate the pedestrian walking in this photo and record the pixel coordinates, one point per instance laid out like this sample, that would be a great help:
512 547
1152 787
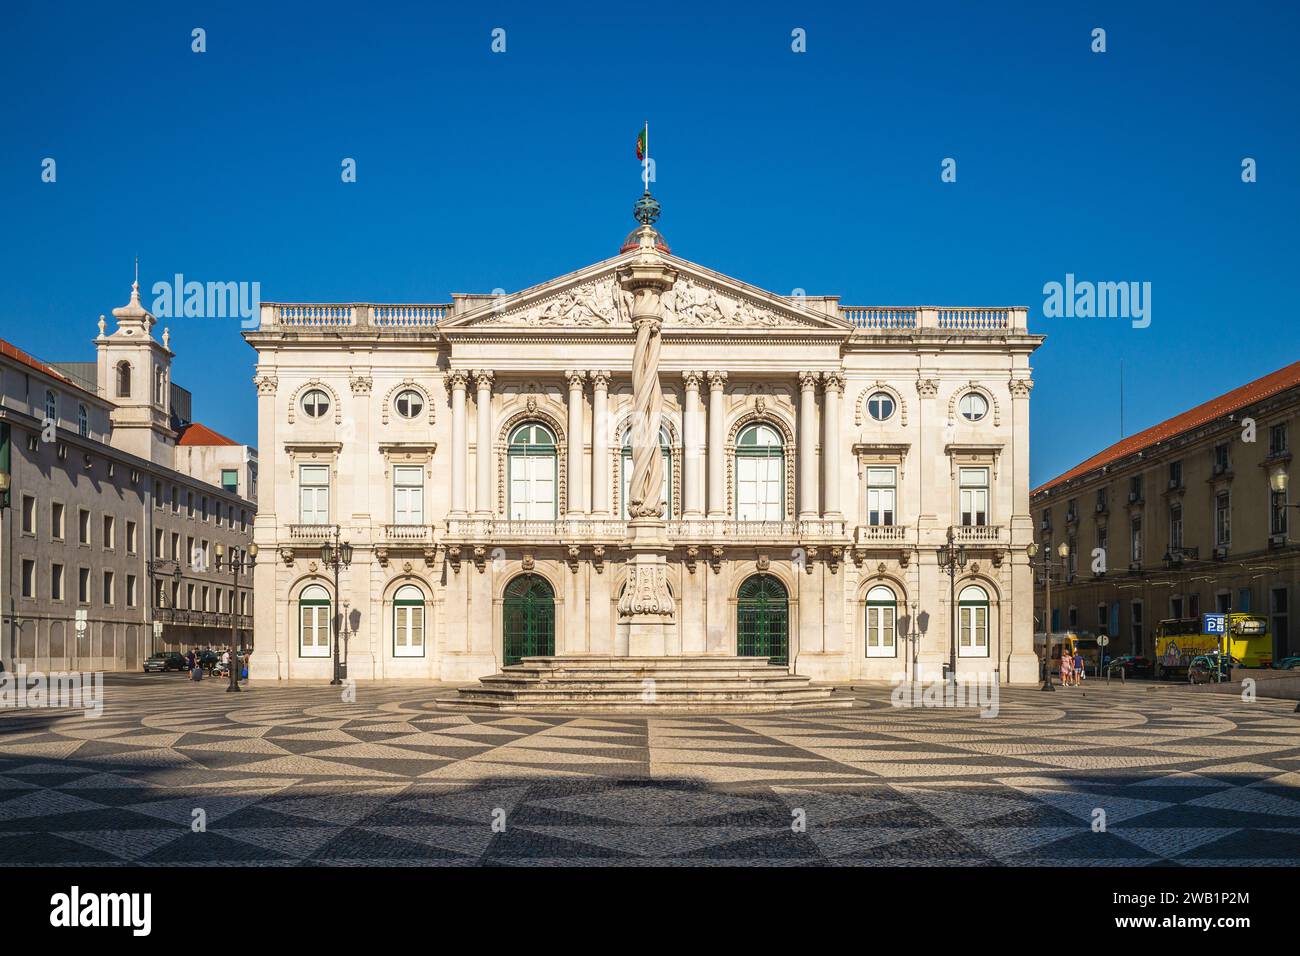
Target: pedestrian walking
1079 670
1067 667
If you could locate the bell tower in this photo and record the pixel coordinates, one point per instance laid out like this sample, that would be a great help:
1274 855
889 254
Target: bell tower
135 374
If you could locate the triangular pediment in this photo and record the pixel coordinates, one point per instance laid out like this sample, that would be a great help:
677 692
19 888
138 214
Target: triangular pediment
592 298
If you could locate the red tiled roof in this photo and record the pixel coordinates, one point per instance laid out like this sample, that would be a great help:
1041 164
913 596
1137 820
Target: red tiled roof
18 355
196 434
1225 404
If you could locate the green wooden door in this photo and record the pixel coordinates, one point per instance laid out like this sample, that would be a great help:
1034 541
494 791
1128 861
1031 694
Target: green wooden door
763 619
528 619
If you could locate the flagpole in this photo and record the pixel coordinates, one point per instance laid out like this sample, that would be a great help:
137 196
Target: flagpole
645 179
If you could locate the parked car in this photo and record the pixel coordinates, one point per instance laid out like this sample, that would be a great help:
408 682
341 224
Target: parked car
1289 663
1133 665
166 661
1205 668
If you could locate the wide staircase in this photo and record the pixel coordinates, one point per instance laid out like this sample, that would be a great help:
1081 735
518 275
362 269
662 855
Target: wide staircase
647 685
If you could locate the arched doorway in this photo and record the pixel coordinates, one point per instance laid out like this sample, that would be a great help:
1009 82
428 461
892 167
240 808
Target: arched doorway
763 619
528 619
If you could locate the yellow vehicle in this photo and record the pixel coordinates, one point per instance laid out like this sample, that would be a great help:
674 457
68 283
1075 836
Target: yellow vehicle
1072 642
1179 640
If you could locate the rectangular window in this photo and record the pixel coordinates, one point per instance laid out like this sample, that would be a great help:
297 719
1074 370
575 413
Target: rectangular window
1175 526
189 504
1194 605
1102 539
758 488
1222 519
56 582
130 537
83 526
176 546
1277 443
1243 600
1176 607
130 590
189 597
29 578
313 631
880 630
1102 622
1135 622
190 554
1135 539
230 480
1222 602
110 533
203 509
408 630
176 500
408 494
973 630
974 496
158 543
1175 474
29 514
108 588
56 521
881 495
1277 521
1135 488
83 585
314 494
157 493
206 606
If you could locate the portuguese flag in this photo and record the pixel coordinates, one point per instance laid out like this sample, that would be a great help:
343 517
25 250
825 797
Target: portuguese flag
643 142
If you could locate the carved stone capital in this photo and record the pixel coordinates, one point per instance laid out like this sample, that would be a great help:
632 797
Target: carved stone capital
833 382
927 387
692 380
1021 387
266 384
483 378
807 381
575 378
361 384
717 380
600 379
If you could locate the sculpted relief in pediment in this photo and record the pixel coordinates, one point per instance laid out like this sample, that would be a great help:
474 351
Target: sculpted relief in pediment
603 303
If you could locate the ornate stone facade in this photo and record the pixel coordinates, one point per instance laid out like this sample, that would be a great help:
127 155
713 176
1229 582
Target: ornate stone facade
598 464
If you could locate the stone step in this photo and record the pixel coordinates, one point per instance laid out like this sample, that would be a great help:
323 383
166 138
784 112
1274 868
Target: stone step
618 684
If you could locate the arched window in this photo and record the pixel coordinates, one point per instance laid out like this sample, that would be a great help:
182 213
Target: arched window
882 616
760 474
532 478
83 421
159 385
124 379
973 622
408 622
314 622
51 406
666 450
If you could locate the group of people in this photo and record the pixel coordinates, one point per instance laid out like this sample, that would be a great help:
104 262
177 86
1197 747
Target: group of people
1072 668
195 662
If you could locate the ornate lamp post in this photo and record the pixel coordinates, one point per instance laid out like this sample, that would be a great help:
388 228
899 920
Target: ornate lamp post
1063 551
336 554
236 566
154 568
952 559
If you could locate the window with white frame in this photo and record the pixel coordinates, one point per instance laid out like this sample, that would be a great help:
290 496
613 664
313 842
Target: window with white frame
1175 526
408 622
314 622
880 406
408 494
974 496
760 474
314 494
882 619
1135 539
533 463
973 622
973 406
882 494
51 406
408 403
1223 519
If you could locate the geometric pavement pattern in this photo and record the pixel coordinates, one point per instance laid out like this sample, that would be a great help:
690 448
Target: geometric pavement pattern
290 775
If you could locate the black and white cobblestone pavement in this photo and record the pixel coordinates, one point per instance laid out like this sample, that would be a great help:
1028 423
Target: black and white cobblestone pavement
291 775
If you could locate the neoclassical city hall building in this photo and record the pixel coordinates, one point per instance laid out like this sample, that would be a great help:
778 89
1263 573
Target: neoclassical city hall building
492 466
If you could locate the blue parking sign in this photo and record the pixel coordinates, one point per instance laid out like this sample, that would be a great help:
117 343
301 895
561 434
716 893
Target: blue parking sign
1214 624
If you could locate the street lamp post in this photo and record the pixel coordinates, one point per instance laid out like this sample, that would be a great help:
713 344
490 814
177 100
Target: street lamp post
154 568
237 565
1063 551
336 554
952 559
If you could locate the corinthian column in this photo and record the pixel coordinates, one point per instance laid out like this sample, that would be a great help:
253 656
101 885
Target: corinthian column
575 380
457 378
646 604
807 445
692 416
833 388
717 436
600 443
483 442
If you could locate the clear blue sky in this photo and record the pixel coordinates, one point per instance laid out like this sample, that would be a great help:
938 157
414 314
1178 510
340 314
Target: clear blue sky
817 171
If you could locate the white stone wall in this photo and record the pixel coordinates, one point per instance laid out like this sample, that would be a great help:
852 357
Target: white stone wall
806 373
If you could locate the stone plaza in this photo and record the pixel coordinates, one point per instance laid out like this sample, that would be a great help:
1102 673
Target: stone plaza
178 774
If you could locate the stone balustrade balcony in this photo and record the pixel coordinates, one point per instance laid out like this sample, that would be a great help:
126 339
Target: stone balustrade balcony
980 535
310 533
909 318
881 535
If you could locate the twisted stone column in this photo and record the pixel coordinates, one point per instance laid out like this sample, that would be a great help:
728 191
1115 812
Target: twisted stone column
645 497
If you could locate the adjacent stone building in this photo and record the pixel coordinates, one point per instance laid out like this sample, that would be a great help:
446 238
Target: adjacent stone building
476 456
1189 516
117 502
